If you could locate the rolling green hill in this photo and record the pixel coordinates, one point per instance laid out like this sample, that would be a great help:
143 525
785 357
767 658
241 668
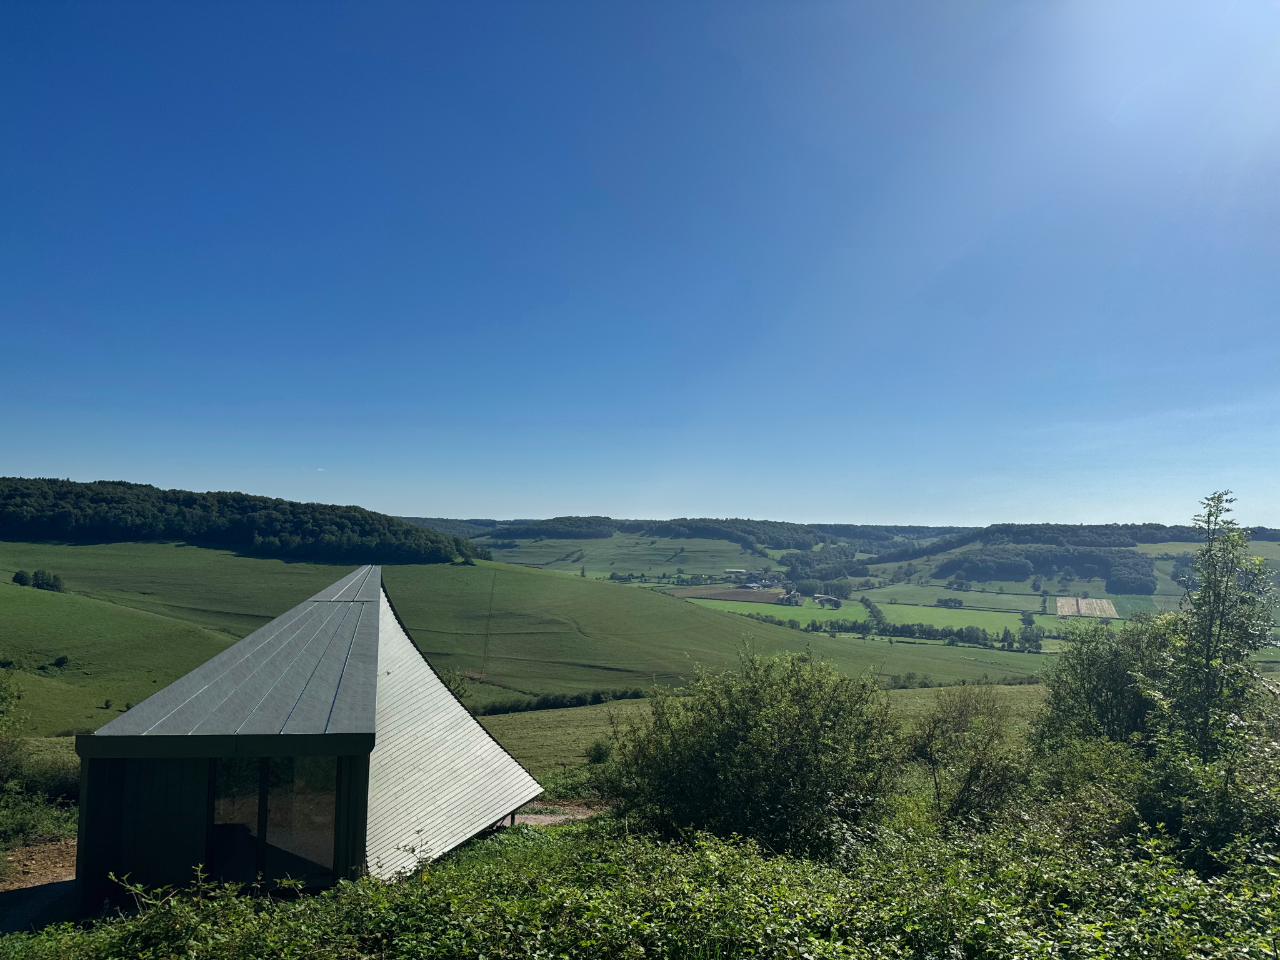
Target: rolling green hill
143 612
532 631
624 553
111 653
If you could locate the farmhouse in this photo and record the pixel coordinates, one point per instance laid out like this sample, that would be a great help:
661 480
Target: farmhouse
321 746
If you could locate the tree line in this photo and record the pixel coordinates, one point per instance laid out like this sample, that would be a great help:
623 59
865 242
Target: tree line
108 511
1126 571
41 580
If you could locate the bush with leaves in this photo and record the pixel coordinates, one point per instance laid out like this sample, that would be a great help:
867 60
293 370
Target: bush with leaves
963 746
599 891
1101 684
783 750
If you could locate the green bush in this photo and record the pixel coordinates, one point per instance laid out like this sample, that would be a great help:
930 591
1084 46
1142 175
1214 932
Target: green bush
962 744
784 751
598 890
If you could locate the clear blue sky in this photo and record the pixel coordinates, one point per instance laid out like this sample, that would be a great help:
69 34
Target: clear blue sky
953 262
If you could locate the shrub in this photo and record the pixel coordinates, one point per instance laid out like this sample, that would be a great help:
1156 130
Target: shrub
598 890
22 578
1100 684
784 751
962 745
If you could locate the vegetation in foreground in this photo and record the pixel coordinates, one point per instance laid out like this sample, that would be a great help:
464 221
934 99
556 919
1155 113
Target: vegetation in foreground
600 890
783 811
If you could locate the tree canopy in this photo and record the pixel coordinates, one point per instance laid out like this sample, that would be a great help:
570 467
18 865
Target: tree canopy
108 510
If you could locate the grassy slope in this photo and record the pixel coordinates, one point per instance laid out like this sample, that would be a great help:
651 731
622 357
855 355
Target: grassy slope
211 588
115 652
1267 549
550 633
142 612
627 553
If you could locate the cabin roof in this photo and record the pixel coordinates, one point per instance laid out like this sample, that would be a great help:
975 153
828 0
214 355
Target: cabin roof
312 671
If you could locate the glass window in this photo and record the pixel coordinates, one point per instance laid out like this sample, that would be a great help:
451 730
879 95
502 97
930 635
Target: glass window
301 794
273 817
233 853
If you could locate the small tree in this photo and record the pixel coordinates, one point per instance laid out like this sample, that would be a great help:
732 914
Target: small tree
784 750
22 578
1212 680
44 580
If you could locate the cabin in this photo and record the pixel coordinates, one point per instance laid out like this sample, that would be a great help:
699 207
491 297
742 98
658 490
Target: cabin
322 746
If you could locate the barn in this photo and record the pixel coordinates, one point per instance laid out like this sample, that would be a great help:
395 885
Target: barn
319 747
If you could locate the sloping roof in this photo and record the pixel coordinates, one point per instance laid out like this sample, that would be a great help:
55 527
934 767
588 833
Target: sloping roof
311 671
436 777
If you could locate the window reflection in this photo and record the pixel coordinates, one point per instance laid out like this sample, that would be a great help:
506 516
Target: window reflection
299 794
234 835
300 817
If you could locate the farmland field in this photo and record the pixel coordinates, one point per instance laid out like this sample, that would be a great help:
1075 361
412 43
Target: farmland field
1267 549
1018 597
625 553
720 593
1077 607
211 588
142 612
893 612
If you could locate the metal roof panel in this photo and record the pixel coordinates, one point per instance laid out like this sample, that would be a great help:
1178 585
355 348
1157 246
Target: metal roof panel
311 670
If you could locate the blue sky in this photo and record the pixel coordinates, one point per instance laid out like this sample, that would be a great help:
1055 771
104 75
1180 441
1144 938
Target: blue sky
939 262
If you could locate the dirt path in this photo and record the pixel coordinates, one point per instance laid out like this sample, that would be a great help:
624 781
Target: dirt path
40 887
549 814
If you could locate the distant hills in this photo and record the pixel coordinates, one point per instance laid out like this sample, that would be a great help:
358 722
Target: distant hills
1001 551
887 543
114 510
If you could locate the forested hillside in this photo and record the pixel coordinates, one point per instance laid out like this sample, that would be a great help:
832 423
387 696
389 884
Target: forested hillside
106 510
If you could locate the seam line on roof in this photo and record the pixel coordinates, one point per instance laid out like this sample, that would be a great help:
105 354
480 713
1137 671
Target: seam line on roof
280 676
357 585
319 661
229 668
343 674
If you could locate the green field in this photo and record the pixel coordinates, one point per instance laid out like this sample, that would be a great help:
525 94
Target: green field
211 588
533 631
1267 549
893 612
138 615
1017 598
114 653
627 553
